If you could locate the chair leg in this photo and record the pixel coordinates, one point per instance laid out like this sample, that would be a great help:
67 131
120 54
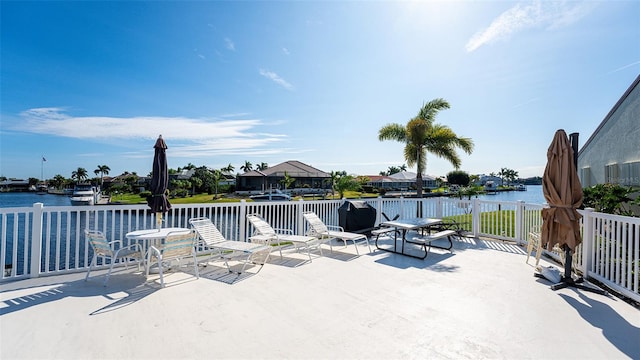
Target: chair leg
106 279
195 265
368 245
93 262
160 271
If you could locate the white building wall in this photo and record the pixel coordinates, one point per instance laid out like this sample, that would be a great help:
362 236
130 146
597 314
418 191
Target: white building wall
612 153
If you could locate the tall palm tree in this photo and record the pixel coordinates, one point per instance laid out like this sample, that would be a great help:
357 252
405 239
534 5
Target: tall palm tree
248 166
80 174
263 166
228 169
422 135
102 170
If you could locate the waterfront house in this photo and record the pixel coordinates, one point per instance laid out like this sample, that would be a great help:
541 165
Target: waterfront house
612 152
305 176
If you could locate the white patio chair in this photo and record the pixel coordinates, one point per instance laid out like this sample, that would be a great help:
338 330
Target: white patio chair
281 238
214 242
177 246
108 250
318 229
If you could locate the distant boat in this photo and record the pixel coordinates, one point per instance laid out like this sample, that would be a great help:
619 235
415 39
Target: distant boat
490 187
272 195
42 189
521 187
85 194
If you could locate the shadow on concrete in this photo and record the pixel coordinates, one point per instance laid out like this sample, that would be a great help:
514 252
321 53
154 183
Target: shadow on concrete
124 289
618 331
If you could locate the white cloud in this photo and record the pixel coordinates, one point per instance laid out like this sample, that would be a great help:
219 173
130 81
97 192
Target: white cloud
550 15
276 78
189 137
229 44
285 51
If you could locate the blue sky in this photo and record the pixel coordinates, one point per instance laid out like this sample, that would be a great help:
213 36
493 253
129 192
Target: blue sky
94 83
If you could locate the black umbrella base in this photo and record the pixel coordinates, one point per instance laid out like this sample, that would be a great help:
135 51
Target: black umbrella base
575 283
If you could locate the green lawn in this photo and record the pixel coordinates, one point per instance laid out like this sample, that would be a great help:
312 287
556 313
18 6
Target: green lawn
207 198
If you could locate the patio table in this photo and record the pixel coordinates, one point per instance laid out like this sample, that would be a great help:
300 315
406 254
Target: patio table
404 226
152 236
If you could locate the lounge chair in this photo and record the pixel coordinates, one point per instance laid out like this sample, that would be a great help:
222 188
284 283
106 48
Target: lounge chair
177 246
321 231
108 250
213 241
281 237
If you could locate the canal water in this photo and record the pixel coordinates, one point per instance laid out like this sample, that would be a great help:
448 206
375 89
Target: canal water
533 195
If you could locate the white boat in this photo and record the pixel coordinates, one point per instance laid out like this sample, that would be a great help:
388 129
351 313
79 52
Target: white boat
85 194
521 187
272 195
490 187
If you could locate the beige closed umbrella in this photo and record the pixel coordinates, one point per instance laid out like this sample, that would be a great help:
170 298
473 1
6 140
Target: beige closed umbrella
563 192
562 189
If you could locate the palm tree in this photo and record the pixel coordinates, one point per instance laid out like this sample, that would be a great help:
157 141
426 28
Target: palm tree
217 176
334 177
80 174
248 166
102 170
422 135
263 166
287 180
228 169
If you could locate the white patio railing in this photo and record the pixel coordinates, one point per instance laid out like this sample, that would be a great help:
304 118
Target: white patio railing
37 241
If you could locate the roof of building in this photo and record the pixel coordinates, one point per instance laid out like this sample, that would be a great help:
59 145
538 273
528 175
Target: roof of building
611 112
293 168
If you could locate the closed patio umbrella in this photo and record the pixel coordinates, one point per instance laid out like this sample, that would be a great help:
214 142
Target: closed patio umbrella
562 189
158 201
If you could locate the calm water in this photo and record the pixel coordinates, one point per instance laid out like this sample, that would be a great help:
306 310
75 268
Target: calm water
533 195
21 199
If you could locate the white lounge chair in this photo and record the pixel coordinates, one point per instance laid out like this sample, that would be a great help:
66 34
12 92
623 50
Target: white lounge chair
318 229
177 246
108 250
281 237
214 241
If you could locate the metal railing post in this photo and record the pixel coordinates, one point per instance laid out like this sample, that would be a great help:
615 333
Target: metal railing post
36 239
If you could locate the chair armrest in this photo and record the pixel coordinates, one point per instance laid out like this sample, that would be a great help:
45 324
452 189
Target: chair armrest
113 243
153 250
335 227
284 231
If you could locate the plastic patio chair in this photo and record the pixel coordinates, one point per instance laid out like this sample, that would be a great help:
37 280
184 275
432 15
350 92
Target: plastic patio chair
318 229
281 237
177 246
108 250
214 242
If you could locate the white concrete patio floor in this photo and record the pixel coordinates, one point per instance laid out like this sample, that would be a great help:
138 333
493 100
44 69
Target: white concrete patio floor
479 302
